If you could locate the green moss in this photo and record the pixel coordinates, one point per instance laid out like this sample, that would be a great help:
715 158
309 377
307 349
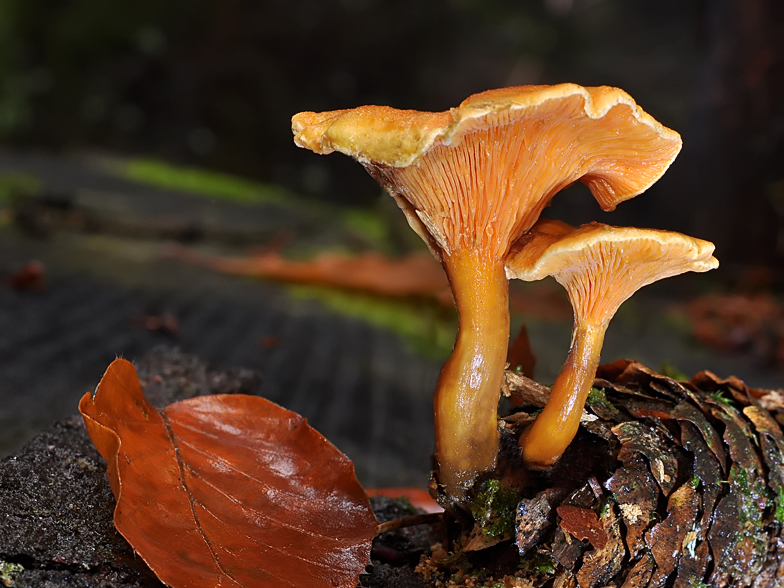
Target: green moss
719 397
494 509
9 572
199 181
427 328
15 185
596 396
780 507
671 371
597 399
369 225
544 565
751 495
537 562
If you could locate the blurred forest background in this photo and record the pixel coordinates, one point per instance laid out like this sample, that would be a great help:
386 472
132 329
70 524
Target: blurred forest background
130 131
214 84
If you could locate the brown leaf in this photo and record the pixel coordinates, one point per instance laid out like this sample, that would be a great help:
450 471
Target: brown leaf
694 562
738 557
565 550
565 580
417 497
601 406
707 381
521 356
654 382
583 523
648 407
31 277
740 322
228 490
417 274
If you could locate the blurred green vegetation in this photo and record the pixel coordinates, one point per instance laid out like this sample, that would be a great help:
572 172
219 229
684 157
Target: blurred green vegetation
15 185
372 226
428 328
201 181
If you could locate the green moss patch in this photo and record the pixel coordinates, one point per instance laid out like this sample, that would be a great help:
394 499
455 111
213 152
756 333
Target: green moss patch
200 181
427 328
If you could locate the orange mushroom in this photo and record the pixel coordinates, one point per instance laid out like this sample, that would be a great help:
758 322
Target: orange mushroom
471 181
600 267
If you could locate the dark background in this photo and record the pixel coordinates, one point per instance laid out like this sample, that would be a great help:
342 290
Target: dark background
214 83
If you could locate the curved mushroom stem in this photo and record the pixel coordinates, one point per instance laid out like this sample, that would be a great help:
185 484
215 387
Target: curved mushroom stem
555 427
469 387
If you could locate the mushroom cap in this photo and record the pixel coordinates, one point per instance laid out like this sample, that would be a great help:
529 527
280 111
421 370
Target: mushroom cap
600 265
381 135
479 175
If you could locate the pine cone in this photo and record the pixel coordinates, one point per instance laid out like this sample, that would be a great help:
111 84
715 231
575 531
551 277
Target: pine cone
669 483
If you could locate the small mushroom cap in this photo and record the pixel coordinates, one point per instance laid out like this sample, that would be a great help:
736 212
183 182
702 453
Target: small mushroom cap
600 265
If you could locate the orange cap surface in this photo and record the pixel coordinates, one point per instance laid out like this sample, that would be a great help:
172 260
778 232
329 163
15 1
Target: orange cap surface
601 266
478 176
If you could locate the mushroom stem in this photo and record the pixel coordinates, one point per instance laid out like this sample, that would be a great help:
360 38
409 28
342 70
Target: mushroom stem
555 427
469 387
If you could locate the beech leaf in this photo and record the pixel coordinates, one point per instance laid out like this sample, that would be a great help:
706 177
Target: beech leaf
228 490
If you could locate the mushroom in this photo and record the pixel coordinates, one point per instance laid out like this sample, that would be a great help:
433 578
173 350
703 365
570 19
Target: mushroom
471 181
600 267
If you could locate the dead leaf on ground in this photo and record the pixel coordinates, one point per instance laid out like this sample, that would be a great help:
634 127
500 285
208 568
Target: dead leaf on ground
31 277
418 497
417 274
165 323
740 323
228 489
521 356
